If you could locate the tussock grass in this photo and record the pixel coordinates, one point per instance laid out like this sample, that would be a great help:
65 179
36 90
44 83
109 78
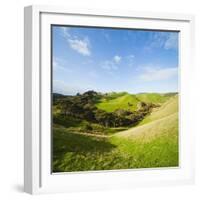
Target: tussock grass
166 109
167 126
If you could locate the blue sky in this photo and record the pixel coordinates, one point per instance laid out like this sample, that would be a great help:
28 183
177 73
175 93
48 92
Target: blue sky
107 60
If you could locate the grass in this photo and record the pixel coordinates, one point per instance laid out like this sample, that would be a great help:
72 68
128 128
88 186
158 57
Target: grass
152 97
161 151
166 126
125 101
168 108
76 152
114 95
153 143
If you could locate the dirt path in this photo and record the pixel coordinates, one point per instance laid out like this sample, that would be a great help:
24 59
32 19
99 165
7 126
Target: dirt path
95 135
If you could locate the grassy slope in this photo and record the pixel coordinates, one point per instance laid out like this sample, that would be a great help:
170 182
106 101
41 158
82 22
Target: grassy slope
116 101
157 137
168 108
147 132
74 152
120 102
152 147
152 144
152 97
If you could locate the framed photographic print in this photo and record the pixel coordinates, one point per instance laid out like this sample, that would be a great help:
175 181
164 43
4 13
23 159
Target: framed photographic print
107 101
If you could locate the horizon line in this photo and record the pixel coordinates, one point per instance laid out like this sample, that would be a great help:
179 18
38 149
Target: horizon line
115 92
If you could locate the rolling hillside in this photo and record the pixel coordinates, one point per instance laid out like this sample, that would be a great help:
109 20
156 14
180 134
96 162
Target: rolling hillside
123 100
152 97
155 141
167 108
164 126
152 143
126 101
163 121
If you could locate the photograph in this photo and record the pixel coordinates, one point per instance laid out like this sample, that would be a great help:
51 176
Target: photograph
114 98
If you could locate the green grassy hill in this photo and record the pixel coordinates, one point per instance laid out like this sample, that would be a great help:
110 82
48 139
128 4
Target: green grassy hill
164 126
123 100
166 109
152 97
158 122
155 140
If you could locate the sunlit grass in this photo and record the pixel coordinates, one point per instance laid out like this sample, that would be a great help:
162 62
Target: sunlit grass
126 101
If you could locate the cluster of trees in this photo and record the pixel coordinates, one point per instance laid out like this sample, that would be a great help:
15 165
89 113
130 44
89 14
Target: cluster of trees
82 106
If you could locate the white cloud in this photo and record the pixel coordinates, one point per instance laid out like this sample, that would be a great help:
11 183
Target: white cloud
109 65
60 64
158 74
171 42
166 40
80 45
117 59
65 31
62 88
112 64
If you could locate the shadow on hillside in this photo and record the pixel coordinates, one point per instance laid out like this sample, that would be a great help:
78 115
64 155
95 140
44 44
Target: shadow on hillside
64 142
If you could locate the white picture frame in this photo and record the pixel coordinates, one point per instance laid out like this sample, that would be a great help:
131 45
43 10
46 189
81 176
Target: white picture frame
37 138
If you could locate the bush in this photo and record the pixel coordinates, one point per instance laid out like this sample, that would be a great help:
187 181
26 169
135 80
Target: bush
65 121
85 126
88 127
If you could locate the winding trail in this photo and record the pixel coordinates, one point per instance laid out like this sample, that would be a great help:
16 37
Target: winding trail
94 135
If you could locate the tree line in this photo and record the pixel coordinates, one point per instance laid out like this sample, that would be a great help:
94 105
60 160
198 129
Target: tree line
82 106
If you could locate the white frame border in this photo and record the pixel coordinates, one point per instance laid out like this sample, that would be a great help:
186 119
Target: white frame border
33 173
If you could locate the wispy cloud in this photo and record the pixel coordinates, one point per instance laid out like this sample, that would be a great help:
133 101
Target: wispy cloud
164 40
112 64
131 60
106 35
172 41
62 88
158 74
109 65
80 45
60 64
65 31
